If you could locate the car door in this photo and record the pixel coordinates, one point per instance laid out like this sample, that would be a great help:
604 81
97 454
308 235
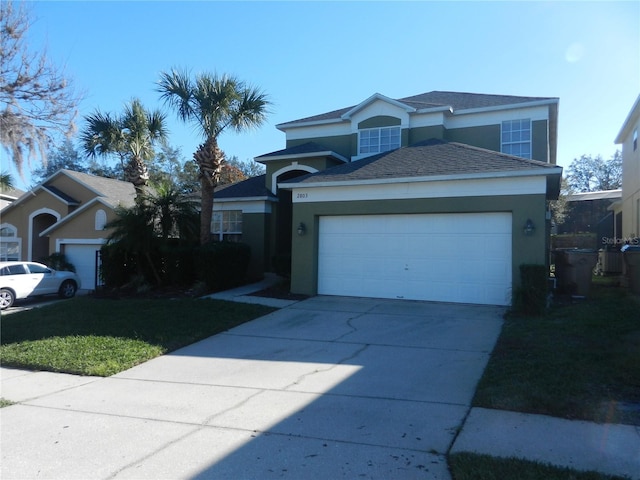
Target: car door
41 279
17 279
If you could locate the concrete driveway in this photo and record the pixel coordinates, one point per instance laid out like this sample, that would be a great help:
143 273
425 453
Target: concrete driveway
330 387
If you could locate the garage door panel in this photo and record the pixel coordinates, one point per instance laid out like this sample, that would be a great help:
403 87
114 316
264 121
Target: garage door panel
438 257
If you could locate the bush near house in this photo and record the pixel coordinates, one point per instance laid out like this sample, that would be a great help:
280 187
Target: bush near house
220 265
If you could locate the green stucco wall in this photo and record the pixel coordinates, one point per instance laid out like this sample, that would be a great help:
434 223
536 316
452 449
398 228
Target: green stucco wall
256 233
525 249
540 136
420 134
487 136
379 121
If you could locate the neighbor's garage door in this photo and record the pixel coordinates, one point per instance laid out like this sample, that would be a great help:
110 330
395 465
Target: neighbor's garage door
83 257
438 257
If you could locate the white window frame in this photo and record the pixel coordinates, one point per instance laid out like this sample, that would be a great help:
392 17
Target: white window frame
100 220
6 240
516 141
379 146
226 223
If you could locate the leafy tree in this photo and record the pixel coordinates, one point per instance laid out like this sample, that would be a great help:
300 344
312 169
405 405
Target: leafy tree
65 156
37 100
212 104
560 208
591 174
131 137
249 168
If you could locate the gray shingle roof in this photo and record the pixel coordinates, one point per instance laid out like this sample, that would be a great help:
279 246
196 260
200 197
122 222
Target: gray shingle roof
455 100
305 148
427 159
250 188
115 192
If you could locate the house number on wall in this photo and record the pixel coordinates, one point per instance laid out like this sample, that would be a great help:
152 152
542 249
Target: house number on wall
302 195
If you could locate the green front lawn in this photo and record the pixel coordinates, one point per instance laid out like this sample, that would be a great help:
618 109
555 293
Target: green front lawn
90 336
580 361
469 466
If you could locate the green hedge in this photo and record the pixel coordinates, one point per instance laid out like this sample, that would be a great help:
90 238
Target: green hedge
222 265
531 297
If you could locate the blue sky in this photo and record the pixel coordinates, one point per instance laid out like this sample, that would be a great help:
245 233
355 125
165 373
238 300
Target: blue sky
313 57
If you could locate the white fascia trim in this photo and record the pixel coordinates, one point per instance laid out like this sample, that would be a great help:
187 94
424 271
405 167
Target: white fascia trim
433 178
435 110
327 153
244 199
628 122
373 98
478 187
245 206
79 241
284 126
512 106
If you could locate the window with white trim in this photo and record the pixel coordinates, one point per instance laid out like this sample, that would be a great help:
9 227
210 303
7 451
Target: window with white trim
227 225
101 219
378 140
516 137
10 245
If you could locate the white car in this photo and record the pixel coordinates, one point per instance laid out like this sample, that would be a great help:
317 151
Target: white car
28 279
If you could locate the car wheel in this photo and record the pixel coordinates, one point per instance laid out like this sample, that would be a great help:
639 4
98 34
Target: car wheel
67 289
6 298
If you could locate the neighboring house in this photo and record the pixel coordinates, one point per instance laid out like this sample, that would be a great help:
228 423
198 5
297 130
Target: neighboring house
591 212
8 196
66 213
629 206
439 196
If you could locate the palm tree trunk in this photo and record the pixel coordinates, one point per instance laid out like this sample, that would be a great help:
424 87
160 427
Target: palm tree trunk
209 159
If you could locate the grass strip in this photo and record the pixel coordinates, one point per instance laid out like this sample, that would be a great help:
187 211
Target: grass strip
579 361
89 336
471 466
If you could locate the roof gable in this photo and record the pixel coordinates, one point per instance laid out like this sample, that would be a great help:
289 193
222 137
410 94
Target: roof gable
454 102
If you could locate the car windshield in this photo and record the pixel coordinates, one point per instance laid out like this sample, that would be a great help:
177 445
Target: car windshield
35 268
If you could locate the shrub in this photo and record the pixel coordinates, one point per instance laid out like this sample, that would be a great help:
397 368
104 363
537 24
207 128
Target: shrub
531 297
58 261
222 265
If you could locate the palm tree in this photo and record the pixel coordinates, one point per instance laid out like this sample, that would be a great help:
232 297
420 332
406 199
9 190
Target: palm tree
212 104
6 181
174 214
132 137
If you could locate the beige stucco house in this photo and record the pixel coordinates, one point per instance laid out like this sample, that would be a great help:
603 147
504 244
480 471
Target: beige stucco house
630 203
66 213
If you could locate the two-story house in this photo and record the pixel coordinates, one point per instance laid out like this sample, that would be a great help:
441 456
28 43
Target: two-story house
66 213
629 206
439 196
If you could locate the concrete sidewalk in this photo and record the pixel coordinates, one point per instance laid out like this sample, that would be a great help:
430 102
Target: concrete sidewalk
607 448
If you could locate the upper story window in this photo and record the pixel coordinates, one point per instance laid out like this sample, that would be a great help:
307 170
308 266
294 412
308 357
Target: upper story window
377 140
100 219
516 137
227 225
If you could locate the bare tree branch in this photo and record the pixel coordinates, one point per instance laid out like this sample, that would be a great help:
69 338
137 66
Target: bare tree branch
36 99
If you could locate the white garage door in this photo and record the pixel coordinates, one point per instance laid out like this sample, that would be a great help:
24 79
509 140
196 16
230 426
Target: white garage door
437 257
83 257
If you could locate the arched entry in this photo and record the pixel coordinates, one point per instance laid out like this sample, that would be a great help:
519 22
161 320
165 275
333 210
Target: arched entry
39 221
